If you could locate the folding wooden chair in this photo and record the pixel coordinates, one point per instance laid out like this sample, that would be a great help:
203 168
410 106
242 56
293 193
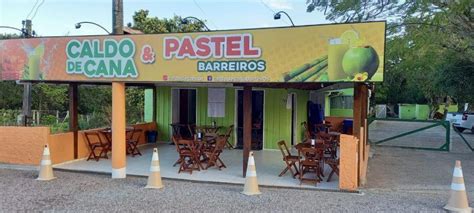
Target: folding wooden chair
289 160
188 156
334 165
311 163
132 142
227 136
94 141
213 155
175 139
307 132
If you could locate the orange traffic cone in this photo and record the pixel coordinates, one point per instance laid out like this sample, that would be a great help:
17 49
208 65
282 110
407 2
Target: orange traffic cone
458 199
251 184
154 179
46 169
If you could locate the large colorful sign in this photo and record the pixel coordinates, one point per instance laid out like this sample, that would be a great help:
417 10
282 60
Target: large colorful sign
322 53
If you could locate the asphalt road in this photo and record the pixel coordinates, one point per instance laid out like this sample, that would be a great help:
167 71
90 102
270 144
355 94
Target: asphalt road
19 191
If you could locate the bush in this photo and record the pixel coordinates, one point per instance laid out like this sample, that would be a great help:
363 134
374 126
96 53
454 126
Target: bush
47 120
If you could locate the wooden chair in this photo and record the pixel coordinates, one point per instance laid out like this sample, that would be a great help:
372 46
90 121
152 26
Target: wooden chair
132 142
108 137
227 136
175 139
94 141
213 155
308 134
311 163
188 156
334 165
176 129
330 142
289 160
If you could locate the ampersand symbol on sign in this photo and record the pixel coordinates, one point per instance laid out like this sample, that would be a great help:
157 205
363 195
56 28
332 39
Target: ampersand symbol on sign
147 55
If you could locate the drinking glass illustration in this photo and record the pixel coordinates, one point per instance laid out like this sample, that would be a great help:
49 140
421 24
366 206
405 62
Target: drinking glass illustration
336 51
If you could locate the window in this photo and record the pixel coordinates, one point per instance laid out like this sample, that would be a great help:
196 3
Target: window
342 102
216 102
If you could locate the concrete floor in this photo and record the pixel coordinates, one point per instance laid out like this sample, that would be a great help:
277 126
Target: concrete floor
269 164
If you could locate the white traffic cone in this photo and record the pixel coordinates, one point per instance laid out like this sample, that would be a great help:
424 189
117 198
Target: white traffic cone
46 168
154 179
458 200
251 184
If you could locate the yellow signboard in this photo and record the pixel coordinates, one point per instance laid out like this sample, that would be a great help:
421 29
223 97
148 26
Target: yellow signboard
321 53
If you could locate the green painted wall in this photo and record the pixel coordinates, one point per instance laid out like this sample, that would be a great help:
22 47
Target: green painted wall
148 111
301 112
277 121
341 112
202 116
163 113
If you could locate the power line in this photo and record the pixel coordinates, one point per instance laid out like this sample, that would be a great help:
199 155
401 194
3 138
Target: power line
37 8
32 9
204 13
271 10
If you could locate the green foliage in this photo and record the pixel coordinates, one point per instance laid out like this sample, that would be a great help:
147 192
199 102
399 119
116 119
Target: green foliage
8 117
47 120
9 36
135 105
146 24
49 97
59 127
94 99
10 95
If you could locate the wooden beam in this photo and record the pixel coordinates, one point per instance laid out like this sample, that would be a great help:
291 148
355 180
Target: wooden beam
247 119
73 122
360 114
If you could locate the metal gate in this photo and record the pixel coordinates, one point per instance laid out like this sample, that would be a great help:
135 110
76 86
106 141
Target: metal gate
411 134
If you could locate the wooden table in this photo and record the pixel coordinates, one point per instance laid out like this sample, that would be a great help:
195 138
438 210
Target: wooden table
209 128
107 132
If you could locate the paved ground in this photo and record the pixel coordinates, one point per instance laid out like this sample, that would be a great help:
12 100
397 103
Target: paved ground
87 192
399 180
269 165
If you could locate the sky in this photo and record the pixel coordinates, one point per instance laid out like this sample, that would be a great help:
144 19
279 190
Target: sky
58 17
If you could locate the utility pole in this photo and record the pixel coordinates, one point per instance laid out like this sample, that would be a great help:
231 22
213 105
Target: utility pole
26 108
119 160
117 17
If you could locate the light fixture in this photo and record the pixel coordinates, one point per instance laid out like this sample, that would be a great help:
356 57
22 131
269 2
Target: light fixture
277 16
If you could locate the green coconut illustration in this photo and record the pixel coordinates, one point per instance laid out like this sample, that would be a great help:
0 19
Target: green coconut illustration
360 59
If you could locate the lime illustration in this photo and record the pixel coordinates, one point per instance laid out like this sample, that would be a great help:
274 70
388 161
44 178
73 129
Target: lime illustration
349 37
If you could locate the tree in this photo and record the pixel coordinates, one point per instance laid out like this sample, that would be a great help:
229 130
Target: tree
429 46
146 24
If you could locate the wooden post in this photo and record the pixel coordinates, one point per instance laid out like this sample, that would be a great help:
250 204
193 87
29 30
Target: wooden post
247 119
73 122
360 115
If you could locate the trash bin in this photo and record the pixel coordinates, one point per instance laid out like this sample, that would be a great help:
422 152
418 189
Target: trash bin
347 126
151 136
422 112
